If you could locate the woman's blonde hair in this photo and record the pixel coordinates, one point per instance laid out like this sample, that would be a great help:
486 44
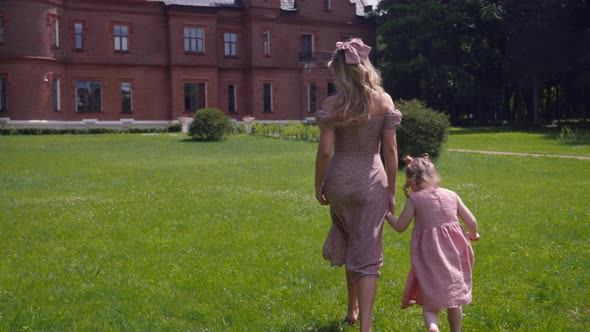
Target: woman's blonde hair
422 171
355 84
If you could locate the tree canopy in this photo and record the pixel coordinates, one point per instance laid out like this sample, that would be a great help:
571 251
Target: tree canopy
488 61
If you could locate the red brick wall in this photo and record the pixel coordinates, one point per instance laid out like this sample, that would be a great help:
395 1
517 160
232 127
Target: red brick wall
156 63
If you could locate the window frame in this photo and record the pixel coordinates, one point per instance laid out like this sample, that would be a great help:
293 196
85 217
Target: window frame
3 92
2 27
56 87
131 83
82 35
54 31
191 108
266 43
114 26
230 43
264 97
196 38
303 54
309 97
87 109
233 100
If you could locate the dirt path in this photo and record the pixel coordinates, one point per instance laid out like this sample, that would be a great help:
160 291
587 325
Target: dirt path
521 154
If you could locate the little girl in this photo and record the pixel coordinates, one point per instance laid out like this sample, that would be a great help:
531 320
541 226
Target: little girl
442 258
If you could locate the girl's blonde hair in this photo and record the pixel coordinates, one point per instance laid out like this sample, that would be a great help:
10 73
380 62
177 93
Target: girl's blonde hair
355 84
422 171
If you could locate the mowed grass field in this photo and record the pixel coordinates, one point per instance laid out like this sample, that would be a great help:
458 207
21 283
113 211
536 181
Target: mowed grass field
157 233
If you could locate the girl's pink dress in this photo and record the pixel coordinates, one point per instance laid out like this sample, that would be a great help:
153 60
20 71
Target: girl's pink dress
442 257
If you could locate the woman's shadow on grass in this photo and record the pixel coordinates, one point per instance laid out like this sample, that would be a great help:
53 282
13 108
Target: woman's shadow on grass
333 326
197 140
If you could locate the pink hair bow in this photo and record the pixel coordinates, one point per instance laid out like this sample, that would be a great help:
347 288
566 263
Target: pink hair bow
354 50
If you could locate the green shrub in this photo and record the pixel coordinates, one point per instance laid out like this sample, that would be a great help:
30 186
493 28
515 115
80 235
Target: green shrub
86 131
422 130
291 130
210 124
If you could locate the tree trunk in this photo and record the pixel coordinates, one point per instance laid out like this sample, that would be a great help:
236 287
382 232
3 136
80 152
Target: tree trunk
518 111
535 101
548 107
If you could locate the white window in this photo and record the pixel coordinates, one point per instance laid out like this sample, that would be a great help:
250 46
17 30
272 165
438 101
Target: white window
55 32
79 32
56 94
266 42
194 40
121 34
230 40
126 97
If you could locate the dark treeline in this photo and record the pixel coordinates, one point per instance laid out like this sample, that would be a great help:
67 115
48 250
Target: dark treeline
486 61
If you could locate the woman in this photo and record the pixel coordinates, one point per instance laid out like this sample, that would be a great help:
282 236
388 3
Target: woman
350 175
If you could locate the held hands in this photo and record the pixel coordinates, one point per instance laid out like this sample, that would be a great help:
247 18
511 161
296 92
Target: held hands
392 202
391 219
473 238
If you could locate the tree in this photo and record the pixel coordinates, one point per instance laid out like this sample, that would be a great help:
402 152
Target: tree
443 52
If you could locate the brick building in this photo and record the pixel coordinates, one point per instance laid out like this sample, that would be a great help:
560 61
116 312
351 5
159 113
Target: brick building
149 62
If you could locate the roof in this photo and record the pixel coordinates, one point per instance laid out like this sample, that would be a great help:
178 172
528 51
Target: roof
202 3
360 5
290 5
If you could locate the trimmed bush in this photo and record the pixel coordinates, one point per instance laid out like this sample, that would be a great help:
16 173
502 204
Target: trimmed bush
292 130
210 124
422 130
85 131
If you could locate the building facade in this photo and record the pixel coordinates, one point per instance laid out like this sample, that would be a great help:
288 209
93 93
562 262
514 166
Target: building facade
66 62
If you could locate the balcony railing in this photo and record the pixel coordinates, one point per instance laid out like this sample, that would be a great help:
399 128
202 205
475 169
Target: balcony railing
321 56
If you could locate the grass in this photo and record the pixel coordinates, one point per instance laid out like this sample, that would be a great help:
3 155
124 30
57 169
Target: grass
156 233
504 139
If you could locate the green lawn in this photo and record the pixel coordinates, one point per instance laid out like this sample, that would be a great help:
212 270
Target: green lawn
156 233
503 139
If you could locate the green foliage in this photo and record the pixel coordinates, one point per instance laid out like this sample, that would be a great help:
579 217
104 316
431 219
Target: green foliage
439 52
422 130
210 124
568 135
482 61
86 131
572 135
291 130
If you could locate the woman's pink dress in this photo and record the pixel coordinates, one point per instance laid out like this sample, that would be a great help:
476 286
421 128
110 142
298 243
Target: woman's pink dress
356 187
442 257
